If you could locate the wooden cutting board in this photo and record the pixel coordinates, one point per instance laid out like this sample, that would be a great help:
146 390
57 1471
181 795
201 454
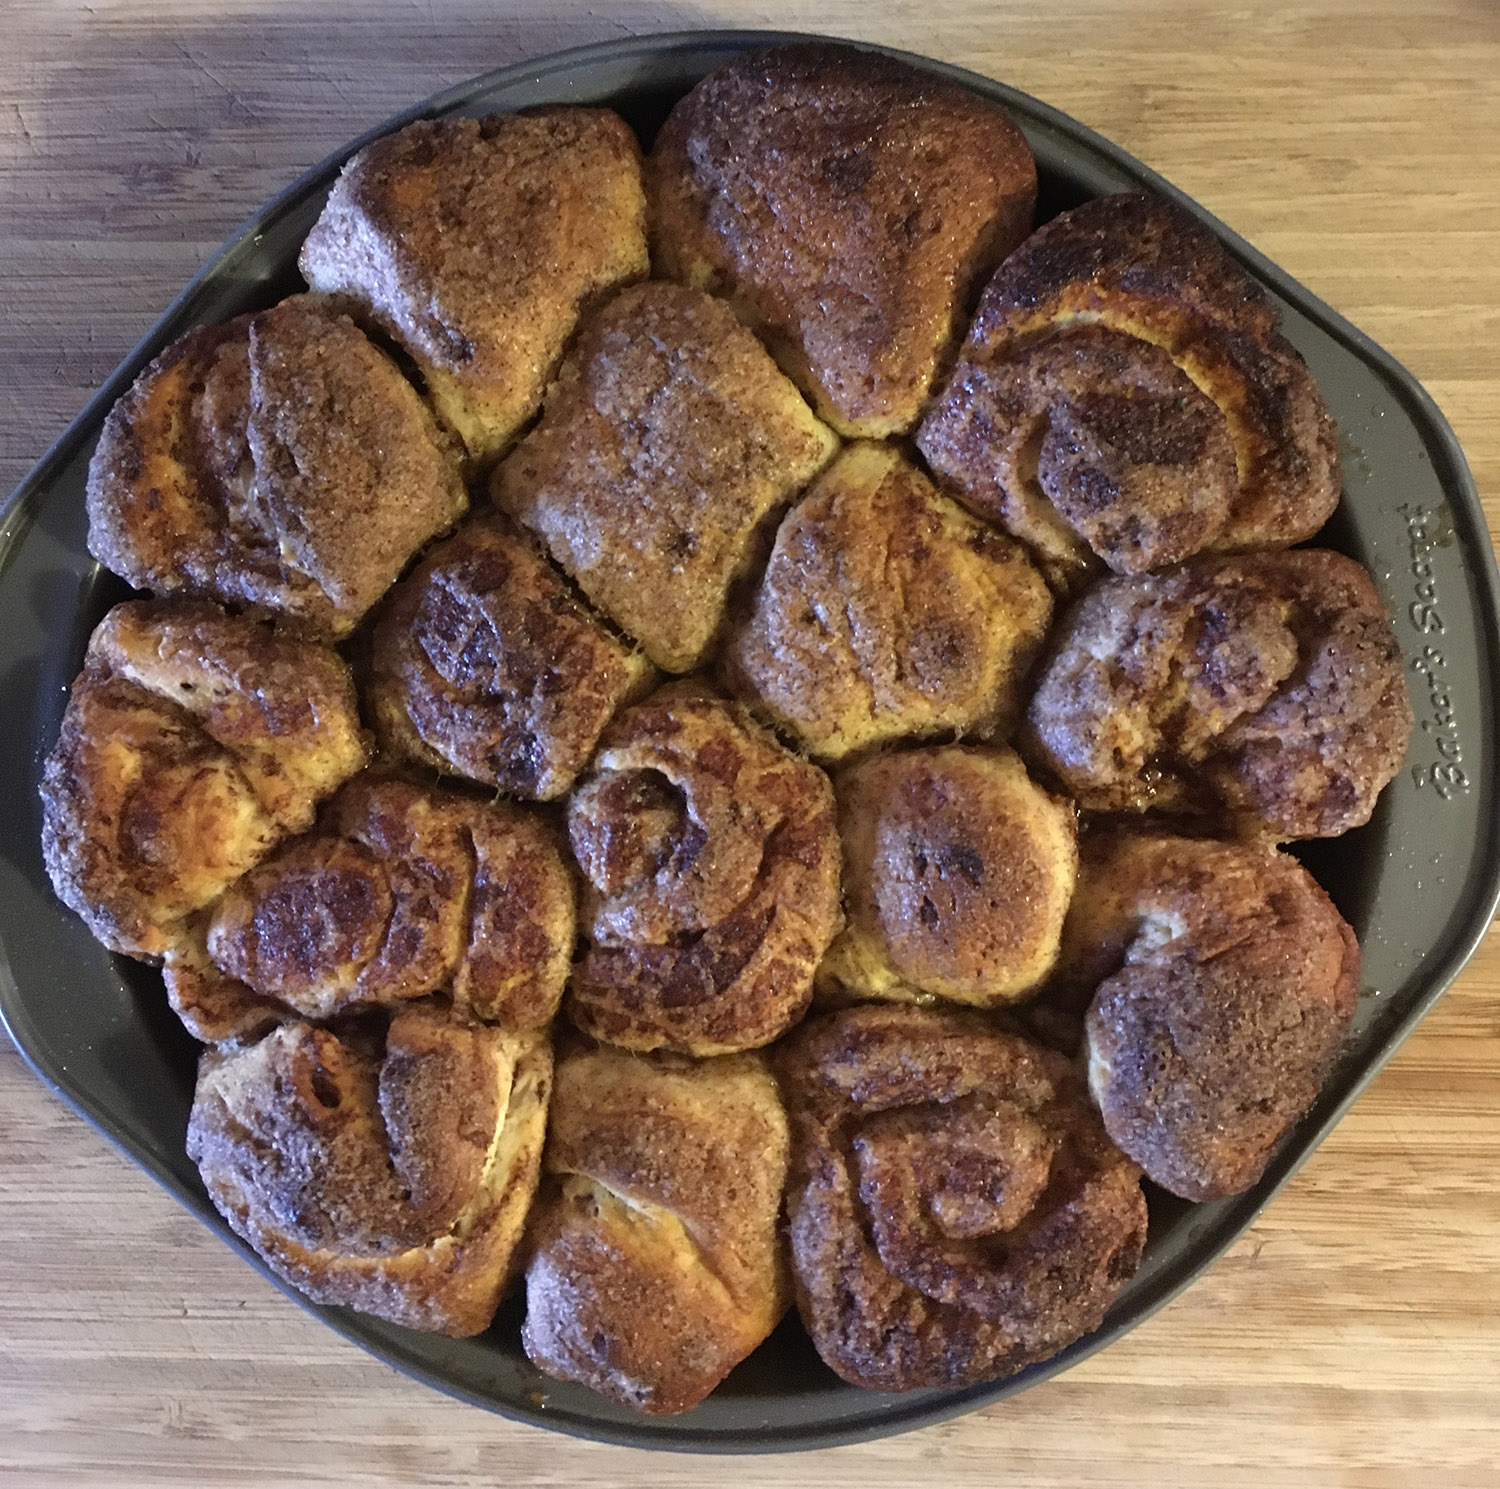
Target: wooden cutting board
1352 1337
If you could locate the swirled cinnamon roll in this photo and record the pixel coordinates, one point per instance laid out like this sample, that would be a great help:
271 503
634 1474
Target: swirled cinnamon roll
401 892
887 612
958 870
1266 690
279 461
656 1265
485 666
477 243
667 441
192 743
711 857
849 206
1124 392
1220 982
956 1211
391 1174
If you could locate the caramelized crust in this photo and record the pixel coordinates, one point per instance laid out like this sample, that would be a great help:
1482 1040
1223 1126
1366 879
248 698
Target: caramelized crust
957 874
1266 689
192 743
656 1264
404 891
849 206
476 243
1222 981
279 461
667 441
485 666
956 1211
888 612
1087 445
1144 269
711 857
388 1175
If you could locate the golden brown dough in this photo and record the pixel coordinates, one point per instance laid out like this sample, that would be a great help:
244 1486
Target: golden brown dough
1266 690
958 869
279 461
656 1264
887 612
389 1174
1222 982
485 666
667 441
403 891
192 743
956 1211
1116 443
849 206
711 856
476 243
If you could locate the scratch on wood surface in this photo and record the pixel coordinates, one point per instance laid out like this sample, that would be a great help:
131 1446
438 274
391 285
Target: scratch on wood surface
25 128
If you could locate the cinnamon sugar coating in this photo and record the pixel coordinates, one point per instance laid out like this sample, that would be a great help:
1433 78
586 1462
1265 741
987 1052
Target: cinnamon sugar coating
1166 291
1264 690
849 206
667 442
192 743
279 461
484 665
711 857
888 612
958 870
477 243
955 1210
656 1264
1220 982
389 1172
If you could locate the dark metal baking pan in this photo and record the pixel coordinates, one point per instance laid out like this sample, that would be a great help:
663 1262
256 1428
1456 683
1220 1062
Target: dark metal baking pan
1419 883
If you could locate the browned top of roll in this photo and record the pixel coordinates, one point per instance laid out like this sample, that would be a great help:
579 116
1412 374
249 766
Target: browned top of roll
280 461
391 1174
956 1211
476 242
1142 266
712 864
656 1262
888 612
1226 981
850 206
485 666
403 891
1087 445
958 869
1266 689
192 742
667 441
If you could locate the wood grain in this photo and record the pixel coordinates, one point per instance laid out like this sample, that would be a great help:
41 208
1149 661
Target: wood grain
1352 1337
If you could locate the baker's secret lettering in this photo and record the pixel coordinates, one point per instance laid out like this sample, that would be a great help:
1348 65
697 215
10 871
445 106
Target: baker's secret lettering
1436 723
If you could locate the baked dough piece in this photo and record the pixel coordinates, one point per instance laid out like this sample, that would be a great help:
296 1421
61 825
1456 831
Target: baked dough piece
476 243
958 870
280 461
955 1210
666 443
887 612
1266 690
485 666
389 1174
192 743
711 857
1223 982
850 207
1116 359
403 891
656 1264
